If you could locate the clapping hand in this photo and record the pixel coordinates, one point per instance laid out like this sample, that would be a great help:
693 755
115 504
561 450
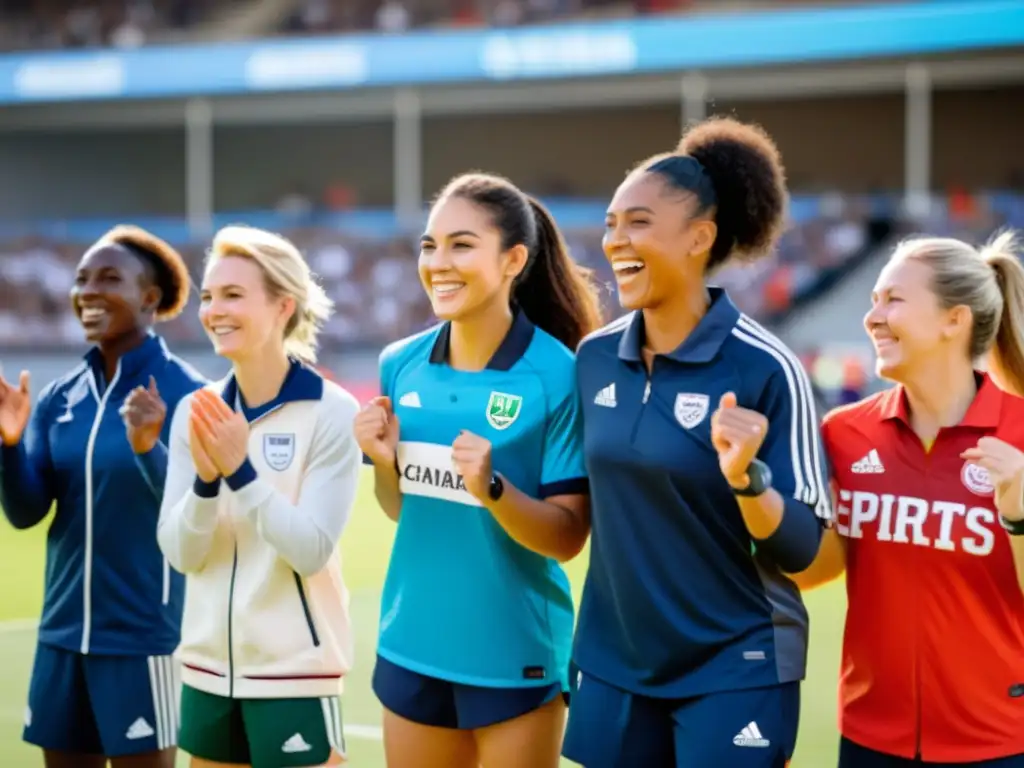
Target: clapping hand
15 407
144 412
223 434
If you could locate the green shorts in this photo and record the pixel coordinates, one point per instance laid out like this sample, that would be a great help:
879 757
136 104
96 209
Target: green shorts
263 733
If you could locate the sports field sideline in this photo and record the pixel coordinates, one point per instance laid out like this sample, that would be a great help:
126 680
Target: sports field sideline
365 548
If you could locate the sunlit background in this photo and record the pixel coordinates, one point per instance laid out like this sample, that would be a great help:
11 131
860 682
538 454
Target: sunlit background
335 121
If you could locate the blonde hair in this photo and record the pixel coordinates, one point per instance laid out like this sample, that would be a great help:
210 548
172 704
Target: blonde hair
285 273
990 282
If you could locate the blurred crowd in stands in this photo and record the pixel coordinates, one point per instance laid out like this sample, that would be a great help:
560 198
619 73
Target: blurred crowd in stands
376 287
47 24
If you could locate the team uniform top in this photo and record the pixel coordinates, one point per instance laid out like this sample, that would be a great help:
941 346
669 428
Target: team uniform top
109 590
266 613
677 603
933 654
463 602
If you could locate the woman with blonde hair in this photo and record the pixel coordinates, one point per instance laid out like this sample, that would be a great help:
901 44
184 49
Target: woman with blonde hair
929 482
262 477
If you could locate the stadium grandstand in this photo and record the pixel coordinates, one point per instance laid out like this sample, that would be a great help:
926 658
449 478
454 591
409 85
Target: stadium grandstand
333 122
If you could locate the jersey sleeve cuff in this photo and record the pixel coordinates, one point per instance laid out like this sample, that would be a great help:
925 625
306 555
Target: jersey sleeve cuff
205 490
244 475
574 486
794 544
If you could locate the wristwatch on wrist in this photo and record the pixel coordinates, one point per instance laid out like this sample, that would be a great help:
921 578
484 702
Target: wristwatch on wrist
1012 527
760 477
496 488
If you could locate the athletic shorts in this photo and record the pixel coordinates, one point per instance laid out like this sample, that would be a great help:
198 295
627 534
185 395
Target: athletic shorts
853 755
610 728
102 705
443 704
263 733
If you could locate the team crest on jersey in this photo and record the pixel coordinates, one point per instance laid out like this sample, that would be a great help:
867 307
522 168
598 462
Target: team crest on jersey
503 409
690 409
73 397
278 451
977 479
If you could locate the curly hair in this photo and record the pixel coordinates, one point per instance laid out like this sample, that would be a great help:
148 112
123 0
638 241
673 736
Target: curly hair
170 271
739 177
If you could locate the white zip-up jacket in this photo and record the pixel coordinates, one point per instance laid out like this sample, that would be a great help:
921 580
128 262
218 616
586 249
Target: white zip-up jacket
266 609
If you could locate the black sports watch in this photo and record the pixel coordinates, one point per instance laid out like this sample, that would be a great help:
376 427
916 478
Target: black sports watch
496 488
760 477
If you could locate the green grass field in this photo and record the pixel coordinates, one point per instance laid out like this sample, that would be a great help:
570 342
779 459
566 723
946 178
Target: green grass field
365 547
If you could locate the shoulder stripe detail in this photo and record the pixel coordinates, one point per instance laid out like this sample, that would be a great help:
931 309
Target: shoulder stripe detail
613 327
804 442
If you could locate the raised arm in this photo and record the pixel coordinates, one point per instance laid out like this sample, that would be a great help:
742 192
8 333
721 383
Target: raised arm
188 512
305 534
26 469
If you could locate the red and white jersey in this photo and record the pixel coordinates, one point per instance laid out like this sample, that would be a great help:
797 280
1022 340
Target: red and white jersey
933 651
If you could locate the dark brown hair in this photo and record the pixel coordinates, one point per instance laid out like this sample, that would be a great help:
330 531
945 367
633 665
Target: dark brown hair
556 293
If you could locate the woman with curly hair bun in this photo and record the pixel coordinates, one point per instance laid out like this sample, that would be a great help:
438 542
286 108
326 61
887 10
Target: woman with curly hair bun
104 684
707 487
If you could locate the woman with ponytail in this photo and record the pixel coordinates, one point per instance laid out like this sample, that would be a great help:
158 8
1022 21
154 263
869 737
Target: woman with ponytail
476 446
704 461
929 478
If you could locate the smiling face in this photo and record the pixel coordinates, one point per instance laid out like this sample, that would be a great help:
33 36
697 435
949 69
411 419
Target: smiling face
113 295
462 265
238 313
655 245
907 324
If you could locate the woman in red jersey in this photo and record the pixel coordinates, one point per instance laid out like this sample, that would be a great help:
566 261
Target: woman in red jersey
929 484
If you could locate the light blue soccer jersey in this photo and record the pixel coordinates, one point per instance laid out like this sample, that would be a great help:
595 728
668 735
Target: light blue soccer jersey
462 601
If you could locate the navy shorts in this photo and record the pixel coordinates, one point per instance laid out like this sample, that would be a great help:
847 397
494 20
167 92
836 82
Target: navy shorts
102 705
611 728
443 704
852 755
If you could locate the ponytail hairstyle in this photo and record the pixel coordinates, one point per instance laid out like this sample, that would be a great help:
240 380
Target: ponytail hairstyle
285 273
170 273
556 294
735 172
989 282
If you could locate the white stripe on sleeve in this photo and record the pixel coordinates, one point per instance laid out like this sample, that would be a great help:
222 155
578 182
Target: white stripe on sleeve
805 445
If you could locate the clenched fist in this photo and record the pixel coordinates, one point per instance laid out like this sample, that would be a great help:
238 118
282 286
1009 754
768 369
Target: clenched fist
737 434
376 430
144 412
1005 467
471 456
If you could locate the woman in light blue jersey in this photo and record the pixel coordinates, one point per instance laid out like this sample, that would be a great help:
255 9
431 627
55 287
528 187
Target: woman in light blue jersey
477 454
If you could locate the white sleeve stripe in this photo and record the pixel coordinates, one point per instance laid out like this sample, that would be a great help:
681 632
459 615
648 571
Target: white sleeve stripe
812 433
804 443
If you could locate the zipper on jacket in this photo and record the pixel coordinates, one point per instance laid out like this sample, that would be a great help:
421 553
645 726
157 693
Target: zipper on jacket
643 404
306 610
90 449
231 622
167 582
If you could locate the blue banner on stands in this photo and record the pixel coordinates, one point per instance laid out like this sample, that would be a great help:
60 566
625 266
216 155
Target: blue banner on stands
663 44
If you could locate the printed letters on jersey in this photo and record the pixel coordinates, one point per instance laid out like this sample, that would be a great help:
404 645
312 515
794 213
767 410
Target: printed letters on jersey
503 409
691 408
426 470
279 450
